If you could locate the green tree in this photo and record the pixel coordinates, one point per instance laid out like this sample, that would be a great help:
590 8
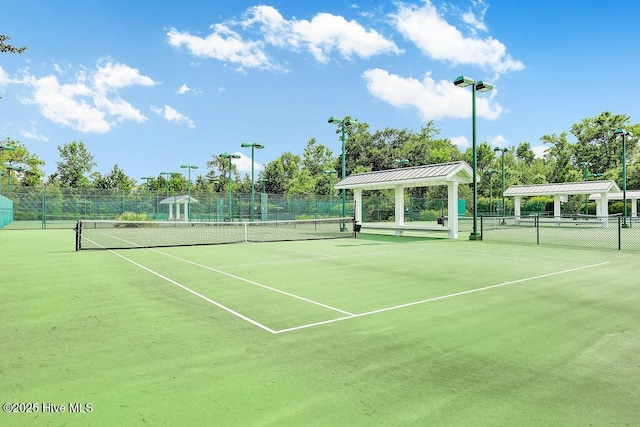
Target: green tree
218 173
596 142
525 154
116 179
33 174
280 171
7 48
76 163
560 157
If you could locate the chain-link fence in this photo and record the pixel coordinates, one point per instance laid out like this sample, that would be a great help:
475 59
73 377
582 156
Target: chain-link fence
52 207
576 231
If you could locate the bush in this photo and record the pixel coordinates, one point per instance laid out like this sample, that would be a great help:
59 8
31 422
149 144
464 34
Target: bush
132 216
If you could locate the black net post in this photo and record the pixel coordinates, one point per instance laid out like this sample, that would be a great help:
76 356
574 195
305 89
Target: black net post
619 233
537 223
78 235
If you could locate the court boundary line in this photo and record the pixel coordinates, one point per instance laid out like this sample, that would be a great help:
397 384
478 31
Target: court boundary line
199 295
233 276
438 298
338 319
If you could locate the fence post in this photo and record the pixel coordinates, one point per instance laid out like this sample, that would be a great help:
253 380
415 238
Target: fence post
619 234
537 223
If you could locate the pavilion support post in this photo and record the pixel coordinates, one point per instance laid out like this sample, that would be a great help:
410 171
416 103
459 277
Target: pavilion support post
604 209
517 200
452 209
557 208
399 209
357 197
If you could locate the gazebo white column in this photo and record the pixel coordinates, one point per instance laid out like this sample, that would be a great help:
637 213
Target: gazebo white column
399 211
186 212
452 203
170 211
556 206
634 207
516 207
357 197
604 209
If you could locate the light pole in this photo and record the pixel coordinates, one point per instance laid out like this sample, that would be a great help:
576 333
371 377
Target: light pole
503 150
490 172
4 148
478 86
400 162
189 167
625 134
330 172
146 199
230 157
168 176
12 168
253 146
343 123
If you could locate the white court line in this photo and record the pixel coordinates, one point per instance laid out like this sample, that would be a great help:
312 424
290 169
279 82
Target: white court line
199 295
382 310
233 276
255 283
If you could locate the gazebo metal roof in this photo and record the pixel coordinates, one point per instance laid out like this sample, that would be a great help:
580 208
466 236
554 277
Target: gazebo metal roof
631 194
564 188
417 176
177 199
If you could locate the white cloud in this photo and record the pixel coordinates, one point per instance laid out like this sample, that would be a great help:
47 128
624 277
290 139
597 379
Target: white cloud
89 103
244 164
498 141
172 115
111 76
321 36
223 44
539 151
33 134
433 99
440 40
461 142
183 89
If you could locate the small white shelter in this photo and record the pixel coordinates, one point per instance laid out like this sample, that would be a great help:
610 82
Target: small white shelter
178 201
632 195
449 174
598 189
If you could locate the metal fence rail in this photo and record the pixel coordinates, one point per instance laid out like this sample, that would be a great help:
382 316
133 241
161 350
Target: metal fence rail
576 231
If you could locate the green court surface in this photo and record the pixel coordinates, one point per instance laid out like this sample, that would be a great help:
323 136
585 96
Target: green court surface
376 330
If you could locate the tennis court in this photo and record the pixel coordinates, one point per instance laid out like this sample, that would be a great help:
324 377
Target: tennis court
348 331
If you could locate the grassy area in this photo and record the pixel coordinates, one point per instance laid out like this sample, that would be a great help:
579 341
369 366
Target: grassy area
370 331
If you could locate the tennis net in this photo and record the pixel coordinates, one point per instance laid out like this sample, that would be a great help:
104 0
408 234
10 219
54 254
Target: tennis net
100 234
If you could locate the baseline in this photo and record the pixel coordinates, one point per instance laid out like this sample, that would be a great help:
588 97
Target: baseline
456 294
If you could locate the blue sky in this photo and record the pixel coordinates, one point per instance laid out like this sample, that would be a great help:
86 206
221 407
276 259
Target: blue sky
151 85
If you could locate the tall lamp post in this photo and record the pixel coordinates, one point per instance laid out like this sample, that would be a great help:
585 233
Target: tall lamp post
253 146
230 157
168 176
344 122
330 172
146 199
503 150
4 148
400 162
625 134
189 167
478 86
13 168
490 172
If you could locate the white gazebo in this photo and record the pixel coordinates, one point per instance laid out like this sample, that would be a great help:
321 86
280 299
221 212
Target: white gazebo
632 195
597 189
449 174
178 201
